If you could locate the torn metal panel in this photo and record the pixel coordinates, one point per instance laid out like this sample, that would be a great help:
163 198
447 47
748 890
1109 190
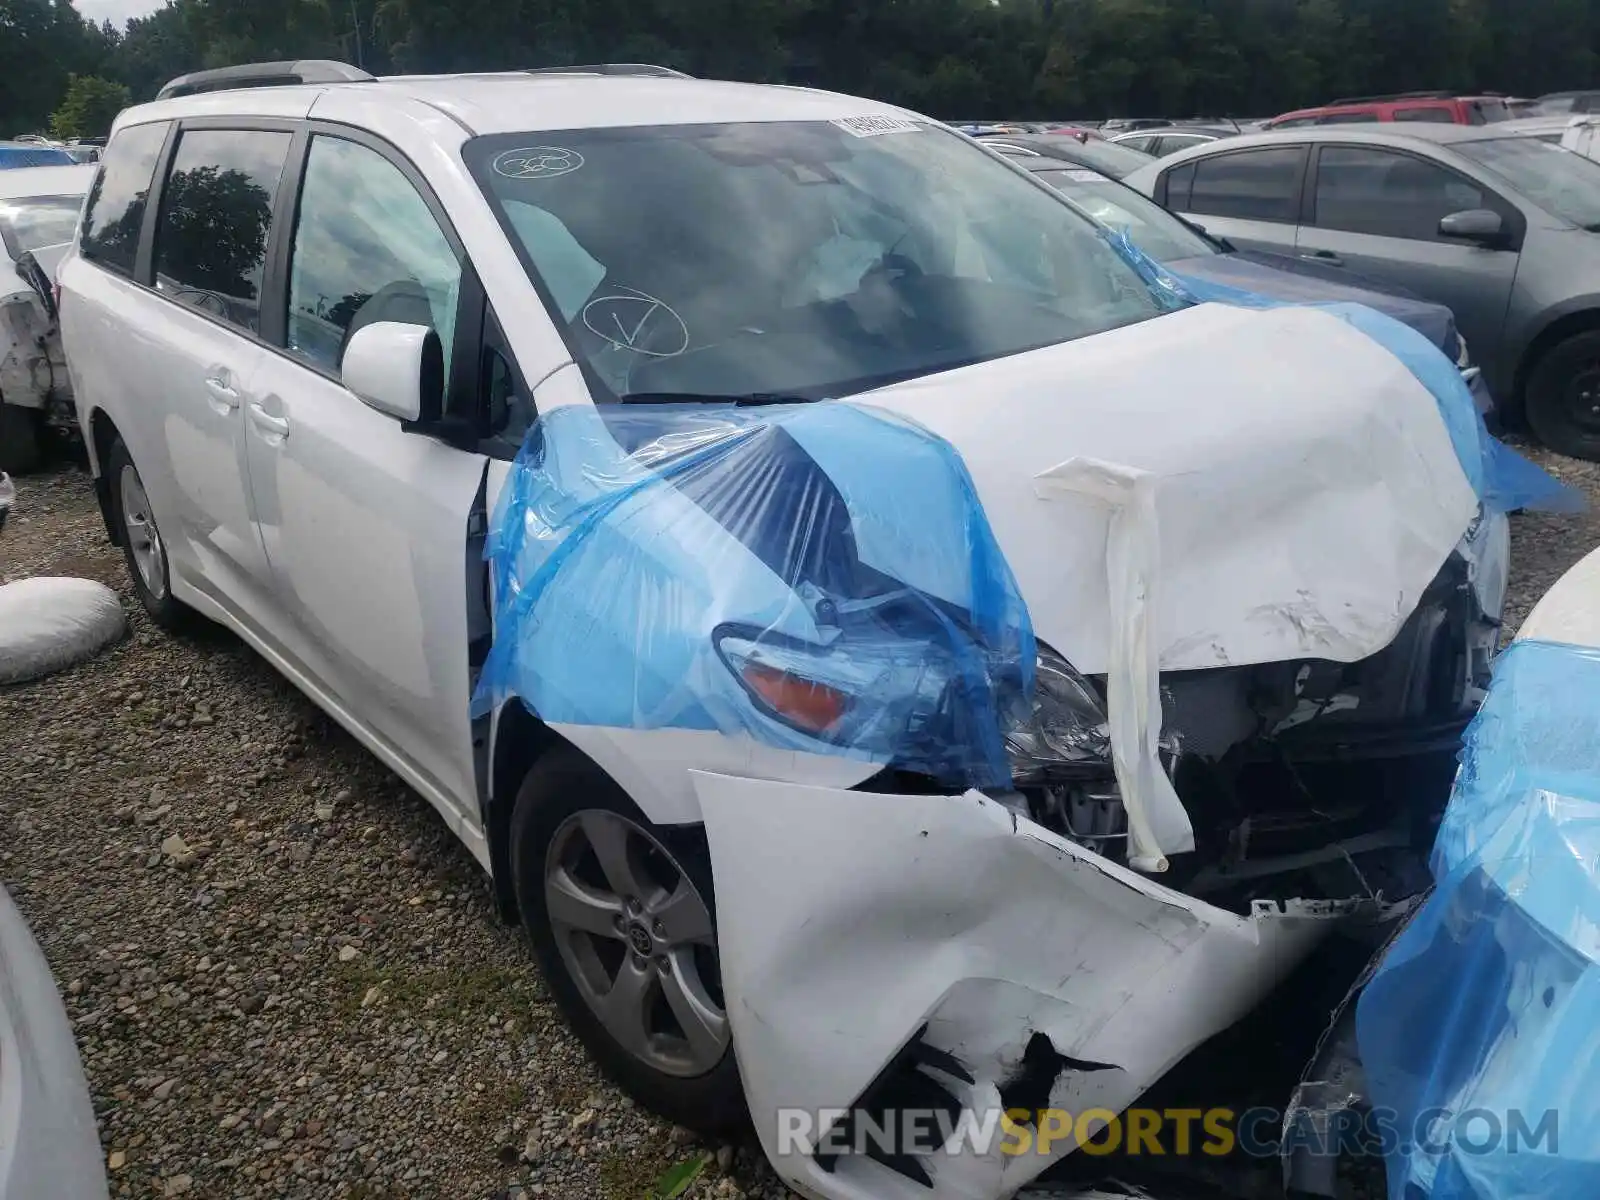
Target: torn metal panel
852 924
33 369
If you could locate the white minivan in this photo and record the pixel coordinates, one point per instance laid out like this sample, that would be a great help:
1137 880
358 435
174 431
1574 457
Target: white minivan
866 624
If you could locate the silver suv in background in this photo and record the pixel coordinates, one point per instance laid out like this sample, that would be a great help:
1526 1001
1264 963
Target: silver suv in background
1503 229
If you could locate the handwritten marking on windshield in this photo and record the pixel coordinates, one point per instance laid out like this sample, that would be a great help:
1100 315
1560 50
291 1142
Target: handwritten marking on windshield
628 316
537 162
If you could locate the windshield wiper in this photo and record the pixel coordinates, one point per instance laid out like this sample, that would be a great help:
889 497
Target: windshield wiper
747 400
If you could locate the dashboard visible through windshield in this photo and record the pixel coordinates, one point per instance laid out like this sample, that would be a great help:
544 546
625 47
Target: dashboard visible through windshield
797 260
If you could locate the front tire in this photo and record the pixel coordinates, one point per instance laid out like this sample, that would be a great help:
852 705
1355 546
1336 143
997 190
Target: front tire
622 920
19 439
142 546
1563 397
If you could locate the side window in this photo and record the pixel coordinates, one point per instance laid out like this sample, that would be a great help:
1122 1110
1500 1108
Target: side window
1144 142
1388 195
216 216
115 212
1253 185
366 248
1440 116
1180 187
1348 118
1293 123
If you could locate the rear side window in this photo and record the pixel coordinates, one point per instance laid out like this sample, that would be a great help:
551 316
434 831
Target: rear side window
1293 123
115 212
216 215
1347 118
1252 185
1377 192
1487 112
1440 116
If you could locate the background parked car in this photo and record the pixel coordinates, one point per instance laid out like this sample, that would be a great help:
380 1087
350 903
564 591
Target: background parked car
1555 104
38 215
1192 253
1502 229
1108 158
1160 142
32 154
1443 108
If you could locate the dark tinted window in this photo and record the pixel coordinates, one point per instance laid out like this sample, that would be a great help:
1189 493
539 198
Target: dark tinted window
1254 185
1293 123
1180 185
1348 118
1387 194
1486 112
1440 116
33 156
115 211
216 213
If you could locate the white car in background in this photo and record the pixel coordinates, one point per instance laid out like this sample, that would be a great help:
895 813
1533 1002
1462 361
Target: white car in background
39 209
835 432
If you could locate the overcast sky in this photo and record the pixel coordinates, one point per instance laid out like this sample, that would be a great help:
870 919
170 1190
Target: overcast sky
117 11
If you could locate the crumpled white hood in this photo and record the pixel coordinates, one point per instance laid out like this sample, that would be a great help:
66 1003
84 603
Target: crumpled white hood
1303 484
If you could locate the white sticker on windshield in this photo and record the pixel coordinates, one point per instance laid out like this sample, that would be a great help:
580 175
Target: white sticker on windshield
1083 176
537 162
865 127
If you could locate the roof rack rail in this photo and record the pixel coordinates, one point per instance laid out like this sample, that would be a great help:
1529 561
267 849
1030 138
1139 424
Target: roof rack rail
267 74
647 70
1395 96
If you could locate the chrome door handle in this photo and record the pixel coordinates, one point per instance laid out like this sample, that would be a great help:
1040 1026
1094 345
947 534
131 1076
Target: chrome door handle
267 423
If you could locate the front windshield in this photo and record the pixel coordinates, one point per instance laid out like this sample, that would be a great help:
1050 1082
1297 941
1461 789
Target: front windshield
1150 227
1557 180
1110 158
38 221
796 259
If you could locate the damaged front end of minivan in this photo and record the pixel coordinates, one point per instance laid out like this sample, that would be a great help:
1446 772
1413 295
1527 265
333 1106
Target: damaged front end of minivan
1126 710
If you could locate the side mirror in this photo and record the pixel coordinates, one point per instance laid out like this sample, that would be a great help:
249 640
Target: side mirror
1474 225
397 369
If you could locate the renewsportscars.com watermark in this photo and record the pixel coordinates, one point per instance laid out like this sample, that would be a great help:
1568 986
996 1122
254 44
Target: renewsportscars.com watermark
1176 1132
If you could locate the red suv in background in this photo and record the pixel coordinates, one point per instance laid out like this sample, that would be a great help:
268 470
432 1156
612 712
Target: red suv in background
1445 108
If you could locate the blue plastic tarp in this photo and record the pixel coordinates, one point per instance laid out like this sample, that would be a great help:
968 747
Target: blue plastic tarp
1480 1031
761 571
1501 478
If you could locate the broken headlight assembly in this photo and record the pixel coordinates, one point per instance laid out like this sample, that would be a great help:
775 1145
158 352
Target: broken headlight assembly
1064 725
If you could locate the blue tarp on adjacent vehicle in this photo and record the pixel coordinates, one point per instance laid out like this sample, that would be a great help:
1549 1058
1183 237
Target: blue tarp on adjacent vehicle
1480 1031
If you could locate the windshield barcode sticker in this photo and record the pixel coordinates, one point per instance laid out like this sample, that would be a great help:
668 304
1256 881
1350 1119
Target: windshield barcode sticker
1085 176
864 127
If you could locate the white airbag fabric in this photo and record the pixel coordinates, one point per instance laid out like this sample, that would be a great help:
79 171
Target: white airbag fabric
47 624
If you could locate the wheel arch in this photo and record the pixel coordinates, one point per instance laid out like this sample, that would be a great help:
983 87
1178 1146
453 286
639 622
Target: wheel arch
103 434
518 740
1558 327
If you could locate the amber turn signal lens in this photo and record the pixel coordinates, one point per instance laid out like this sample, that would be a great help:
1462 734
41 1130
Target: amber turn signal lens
804 702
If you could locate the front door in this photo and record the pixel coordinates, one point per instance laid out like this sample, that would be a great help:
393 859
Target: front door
364 523
1376 212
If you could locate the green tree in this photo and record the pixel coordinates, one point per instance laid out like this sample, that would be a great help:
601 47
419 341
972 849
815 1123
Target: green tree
89 107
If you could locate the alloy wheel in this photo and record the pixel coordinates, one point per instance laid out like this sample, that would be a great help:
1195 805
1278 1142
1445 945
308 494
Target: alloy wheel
637 939
144 539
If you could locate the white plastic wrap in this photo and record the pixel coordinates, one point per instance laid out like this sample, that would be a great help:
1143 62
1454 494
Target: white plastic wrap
47 624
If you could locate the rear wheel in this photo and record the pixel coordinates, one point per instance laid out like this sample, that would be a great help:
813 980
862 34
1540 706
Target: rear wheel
19 439
1563 397
622 921
142 545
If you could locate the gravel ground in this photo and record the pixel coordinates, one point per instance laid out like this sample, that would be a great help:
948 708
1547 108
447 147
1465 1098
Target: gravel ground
310 993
